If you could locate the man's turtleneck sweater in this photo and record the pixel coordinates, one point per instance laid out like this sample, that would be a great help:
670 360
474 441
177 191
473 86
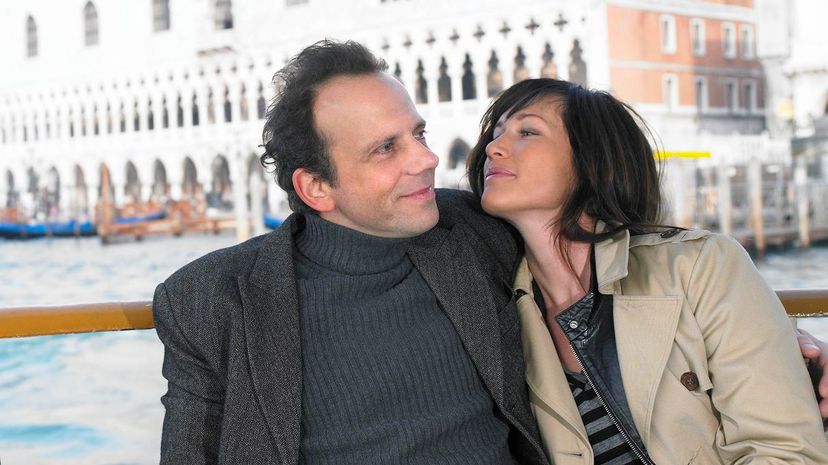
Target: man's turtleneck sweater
386 377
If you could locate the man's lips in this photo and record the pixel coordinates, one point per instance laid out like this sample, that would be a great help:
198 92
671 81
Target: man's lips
424 193
497 173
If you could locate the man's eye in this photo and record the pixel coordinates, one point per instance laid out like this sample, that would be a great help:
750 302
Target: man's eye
385 148
421 136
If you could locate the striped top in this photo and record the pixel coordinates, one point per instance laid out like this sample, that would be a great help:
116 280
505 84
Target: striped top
607 443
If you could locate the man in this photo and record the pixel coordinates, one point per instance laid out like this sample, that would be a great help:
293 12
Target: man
375 326
372 327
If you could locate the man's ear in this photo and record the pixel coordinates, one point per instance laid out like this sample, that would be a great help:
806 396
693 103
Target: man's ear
313 190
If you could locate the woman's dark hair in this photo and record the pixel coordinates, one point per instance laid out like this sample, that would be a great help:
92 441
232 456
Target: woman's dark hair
616 178
290 139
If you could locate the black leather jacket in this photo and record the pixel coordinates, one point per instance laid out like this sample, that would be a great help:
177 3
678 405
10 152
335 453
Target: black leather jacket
589 327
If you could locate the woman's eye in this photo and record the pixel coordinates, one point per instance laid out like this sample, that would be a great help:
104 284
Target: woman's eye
526 132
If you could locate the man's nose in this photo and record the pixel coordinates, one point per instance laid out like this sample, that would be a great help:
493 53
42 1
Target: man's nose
425 159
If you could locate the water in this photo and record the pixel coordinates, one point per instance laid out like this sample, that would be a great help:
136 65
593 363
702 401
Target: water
94 398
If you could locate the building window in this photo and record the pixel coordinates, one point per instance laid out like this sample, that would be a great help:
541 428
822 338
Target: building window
697 37
443 83
701 94
90 22
729 40
731 95
669 88
494 78
469 88
160 15
31 37
421 93
224 14
668 33
261 105
577 65
750 96
746 42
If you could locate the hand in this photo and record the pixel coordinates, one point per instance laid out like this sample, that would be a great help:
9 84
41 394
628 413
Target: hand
815 353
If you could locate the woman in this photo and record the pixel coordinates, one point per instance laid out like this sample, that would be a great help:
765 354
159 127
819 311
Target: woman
643 344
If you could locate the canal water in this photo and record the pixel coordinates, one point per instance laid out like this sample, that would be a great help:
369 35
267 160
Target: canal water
94 398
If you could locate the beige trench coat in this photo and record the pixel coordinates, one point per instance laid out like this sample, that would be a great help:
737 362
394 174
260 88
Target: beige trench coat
689 303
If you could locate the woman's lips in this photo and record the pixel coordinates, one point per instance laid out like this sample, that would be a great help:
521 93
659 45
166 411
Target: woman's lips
498 173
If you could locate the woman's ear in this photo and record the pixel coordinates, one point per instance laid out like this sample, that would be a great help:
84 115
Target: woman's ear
313 190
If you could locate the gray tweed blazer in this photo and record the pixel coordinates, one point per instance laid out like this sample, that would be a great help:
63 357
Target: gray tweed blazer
229 322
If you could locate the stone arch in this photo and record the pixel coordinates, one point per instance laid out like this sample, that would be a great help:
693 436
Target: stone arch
190 187
132 186
160 190
221 189
51 193
256 182
12 195
458 153
79 200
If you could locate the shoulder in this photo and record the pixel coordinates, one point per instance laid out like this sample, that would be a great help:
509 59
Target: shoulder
216 266
684 241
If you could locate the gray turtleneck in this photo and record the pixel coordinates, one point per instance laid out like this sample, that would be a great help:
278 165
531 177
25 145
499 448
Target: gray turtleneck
386 377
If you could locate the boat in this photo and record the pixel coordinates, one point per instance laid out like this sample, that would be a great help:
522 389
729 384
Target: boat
71 228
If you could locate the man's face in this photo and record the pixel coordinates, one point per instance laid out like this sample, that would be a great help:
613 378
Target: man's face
384 169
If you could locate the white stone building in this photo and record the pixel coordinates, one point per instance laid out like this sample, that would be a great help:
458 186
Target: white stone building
169 95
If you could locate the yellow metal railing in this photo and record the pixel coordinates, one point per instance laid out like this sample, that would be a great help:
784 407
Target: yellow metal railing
117 316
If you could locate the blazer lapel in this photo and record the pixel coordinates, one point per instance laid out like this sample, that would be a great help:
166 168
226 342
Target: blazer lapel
271 325
450 268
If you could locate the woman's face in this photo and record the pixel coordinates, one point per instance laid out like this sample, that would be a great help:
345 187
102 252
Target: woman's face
528 171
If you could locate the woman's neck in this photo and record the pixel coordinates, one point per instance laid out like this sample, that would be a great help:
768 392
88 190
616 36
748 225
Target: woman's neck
560 285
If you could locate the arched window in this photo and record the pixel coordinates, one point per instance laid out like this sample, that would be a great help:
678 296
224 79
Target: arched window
521 72
179 113
90 23
136 118
228 109
444 82
398 72
31 37
224 14
160 15
165 114
458 153
108 119
243 111
577 66
122 119
71 124
211 108
83 122
95 126
150 116
494 78
261 105
422 87
194 110
469 87
549 70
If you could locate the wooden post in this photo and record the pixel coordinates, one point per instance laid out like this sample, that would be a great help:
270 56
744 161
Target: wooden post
725 199
754 178
801 186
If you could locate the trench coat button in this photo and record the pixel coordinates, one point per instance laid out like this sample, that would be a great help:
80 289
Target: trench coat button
573 324
670 233
690 381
